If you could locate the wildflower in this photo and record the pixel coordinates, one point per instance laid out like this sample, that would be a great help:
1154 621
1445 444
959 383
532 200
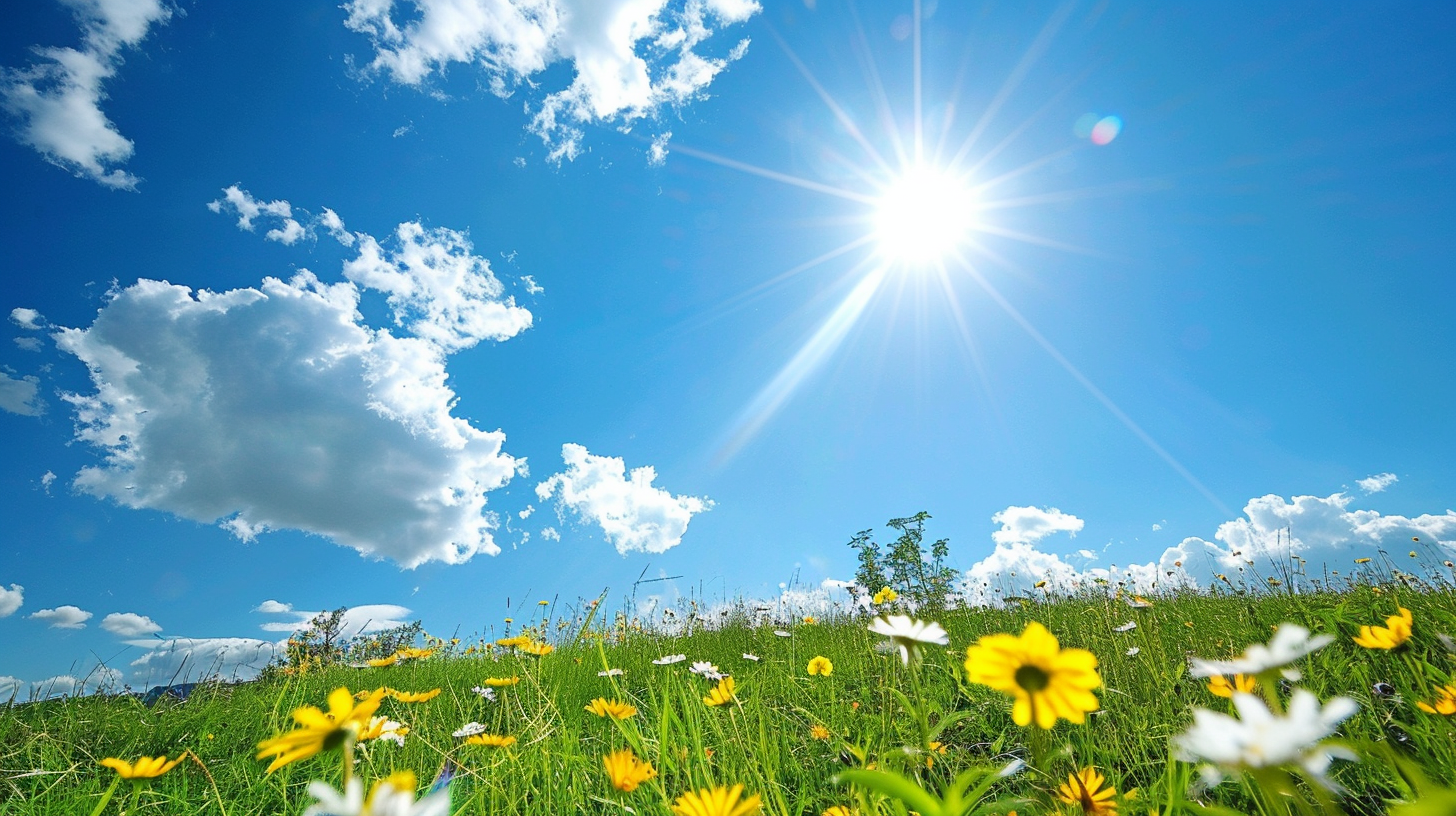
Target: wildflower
616 709
1126 627
1139 602
1362 560
383 728
838 810
1048 682
1290 643
537 649
668 660
908 634
497 682
1243 684
381 662
626 771
145 767
611 673
819 732
485 691
413 654
469 729
543 603
753 657
1260 739
1445 702
513 642
810 619
493 740
782 633
721 693
706 669
319 730
820 665
412 696
1133 652
886 595
1039 585
1395 632
720 801
1086 789
392 796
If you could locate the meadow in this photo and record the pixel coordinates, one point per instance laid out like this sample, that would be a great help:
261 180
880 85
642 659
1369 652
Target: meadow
875 729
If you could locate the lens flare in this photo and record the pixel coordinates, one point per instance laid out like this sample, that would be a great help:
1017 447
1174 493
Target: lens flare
923 215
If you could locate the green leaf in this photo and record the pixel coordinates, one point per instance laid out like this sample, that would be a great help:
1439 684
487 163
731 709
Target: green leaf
894 786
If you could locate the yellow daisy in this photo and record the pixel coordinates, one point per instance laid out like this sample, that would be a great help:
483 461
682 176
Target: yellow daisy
537 649
497 682
722 693
1396 631
493 740
1243 683
820 666
626 771
412 696
145 767
839 810
819 732
1048 682
720 801
1445 702
321 730
378 727
886 595
513 642
616 709
1086 789
380 662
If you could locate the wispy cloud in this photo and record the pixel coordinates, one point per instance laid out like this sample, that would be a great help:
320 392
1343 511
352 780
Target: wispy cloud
630 58
240 201
63 617
21 395
57 99
1377 483
357 620
633 514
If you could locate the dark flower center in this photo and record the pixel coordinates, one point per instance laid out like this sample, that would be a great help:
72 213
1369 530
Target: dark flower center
1032 678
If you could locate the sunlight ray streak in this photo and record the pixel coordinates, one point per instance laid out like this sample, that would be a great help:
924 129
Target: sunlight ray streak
919 115
963 328
1147 185
1023 169
1028 238
1033 53
877 85
1021 128
839 113
773 174
824 341
1091 388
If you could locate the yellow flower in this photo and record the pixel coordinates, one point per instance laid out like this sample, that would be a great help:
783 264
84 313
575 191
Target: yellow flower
145 767
412 696
1048 682
886 595
1086 789
616 709
722 693
1396 631
414 654
542 603
380 726
1244 683
1040 585
1445 702
380 662
493 740
838 810
321 730
809 619
1362 560
538 649
626 771
821 666
720 801
514 642
497 682
819 732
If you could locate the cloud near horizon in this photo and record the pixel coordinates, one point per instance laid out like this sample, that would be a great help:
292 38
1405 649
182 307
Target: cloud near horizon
634 515
357 620
630 58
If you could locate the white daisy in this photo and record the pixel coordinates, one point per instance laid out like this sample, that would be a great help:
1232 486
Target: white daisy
753 657
611 673
1258 738
908 634
469 729
782 633
485 691
385 800
1290 643
1133 651
1126 627
670 659
704 668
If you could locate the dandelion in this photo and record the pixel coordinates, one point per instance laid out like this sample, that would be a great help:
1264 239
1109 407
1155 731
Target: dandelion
611 673
720 801
1395 632
819 732
321 730
616 709
469 729
810 619
392 796
668 660
1290 643
492 740
513 642
543 603
144 768
412 696
1047 681
886 595
909 635
820 666
537 649
1260 739
1085 788
626 771
722 693
1242 683
1445 702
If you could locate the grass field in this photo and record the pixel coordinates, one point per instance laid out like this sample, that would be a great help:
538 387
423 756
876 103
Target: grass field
800 743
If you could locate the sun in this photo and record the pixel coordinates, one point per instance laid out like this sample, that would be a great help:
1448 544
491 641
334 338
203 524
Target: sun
923 215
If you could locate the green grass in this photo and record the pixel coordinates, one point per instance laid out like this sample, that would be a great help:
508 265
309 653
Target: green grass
49 751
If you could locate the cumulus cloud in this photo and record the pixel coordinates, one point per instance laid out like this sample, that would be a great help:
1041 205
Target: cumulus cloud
1377 483
57 98
334 225
277 407
630 58
272 607
21 395
634 515
240 201
11 599
63 617
357 620
28 319
1028 525
550 534
190 660
10 687
129 624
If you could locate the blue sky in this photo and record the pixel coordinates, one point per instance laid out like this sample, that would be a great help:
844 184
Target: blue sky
487 270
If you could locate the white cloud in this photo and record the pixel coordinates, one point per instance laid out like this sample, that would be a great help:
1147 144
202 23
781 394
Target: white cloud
10 688
634 515
58 97
63 617
532 287
438 290
657 151
630 58
21 395
525 514
129 624
11 599
99 679
276 407
189 660
46 480
357 619
27 343
273 607
550 534
1377 483
331 222
248 208
28 319
1028 525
